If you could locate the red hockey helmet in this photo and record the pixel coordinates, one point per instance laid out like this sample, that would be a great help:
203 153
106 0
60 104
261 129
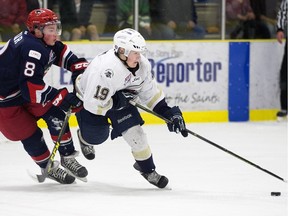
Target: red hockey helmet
39 18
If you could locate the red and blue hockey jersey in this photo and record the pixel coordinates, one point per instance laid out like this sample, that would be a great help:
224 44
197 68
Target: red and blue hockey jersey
24 60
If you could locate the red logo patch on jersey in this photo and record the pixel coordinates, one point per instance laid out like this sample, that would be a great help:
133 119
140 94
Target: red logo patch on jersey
127 79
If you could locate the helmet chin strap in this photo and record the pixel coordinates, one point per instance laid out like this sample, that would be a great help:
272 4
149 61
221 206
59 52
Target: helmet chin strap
42 38
34 33
123 61
132 70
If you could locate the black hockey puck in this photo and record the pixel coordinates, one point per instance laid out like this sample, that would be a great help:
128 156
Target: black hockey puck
275 193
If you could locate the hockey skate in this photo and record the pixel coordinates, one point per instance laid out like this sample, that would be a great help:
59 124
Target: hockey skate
59 175
73 167
87 150
153 177
282 115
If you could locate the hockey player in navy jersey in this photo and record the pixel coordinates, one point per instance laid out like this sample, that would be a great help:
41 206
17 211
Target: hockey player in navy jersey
109 82
25 97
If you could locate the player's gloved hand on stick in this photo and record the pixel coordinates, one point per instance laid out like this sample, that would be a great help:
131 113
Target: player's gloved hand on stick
78 68
121 99
177 122
65 100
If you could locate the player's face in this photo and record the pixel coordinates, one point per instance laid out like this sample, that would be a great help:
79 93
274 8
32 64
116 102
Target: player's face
133 59
51 33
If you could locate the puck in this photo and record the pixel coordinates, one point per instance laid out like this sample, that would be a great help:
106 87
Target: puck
275 193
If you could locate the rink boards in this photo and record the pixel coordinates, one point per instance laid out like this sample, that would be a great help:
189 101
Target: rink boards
211 81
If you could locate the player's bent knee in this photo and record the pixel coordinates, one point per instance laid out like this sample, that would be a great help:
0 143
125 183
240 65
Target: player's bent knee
95 137
137 140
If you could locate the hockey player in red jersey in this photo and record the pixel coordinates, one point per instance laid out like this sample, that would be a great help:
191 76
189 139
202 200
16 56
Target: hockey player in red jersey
25 97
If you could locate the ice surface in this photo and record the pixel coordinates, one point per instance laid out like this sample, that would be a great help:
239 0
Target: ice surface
205 180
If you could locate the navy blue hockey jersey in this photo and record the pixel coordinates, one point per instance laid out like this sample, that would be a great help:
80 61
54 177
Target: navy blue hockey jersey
24 60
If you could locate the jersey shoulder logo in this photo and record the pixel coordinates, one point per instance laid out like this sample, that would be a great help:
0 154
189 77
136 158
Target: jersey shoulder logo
52 57
18 39
34 54
109 73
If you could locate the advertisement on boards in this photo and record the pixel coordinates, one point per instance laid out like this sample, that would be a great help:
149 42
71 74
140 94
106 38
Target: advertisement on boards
193 75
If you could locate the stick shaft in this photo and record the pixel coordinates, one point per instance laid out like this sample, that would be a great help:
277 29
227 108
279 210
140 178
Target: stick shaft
210 142
42 177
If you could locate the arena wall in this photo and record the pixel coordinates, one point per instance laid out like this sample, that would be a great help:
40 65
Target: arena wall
211 81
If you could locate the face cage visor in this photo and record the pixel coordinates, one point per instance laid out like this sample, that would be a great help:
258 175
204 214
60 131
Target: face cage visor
52 28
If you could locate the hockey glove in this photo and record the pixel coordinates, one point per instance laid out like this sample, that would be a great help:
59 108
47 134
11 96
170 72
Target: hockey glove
64 100
78 68
121 99
177 122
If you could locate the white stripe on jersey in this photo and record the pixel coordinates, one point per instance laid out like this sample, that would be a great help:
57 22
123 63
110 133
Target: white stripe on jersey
40 92
3 49
10 96
65 57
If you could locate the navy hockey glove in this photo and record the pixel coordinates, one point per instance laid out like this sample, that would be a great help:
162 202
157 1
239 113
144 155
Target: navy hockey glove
65 100
178 124
78 68
121 99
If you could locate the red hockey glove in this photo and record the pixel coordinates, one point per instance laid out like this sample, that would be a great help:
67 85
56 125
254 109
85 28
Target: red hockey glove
78 68
65 100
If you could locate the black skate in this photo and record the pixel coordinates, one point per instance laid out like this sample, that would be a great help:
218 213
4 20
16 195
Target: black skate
282 115
87 150
59 175
73 167
153 177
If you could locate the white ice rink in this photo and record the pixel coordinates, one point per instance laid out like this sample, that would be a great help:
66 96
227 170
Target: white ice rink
205 180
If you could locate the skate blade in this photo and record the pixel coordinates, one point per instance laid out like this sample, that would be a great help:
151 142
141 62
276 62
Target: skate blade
33 176
282 119
84 179
167 188
81 179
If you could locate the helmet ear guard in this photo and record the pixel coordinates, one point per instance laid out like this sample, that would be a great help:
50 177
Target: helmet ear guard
130 40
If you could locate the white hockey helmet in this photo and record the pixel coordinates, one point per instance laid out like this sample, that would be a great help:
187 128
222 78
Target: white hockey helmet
130 40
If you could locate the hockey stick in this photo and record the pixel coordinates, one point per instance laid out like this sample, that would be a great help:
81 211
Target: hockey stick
208 141
41 178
